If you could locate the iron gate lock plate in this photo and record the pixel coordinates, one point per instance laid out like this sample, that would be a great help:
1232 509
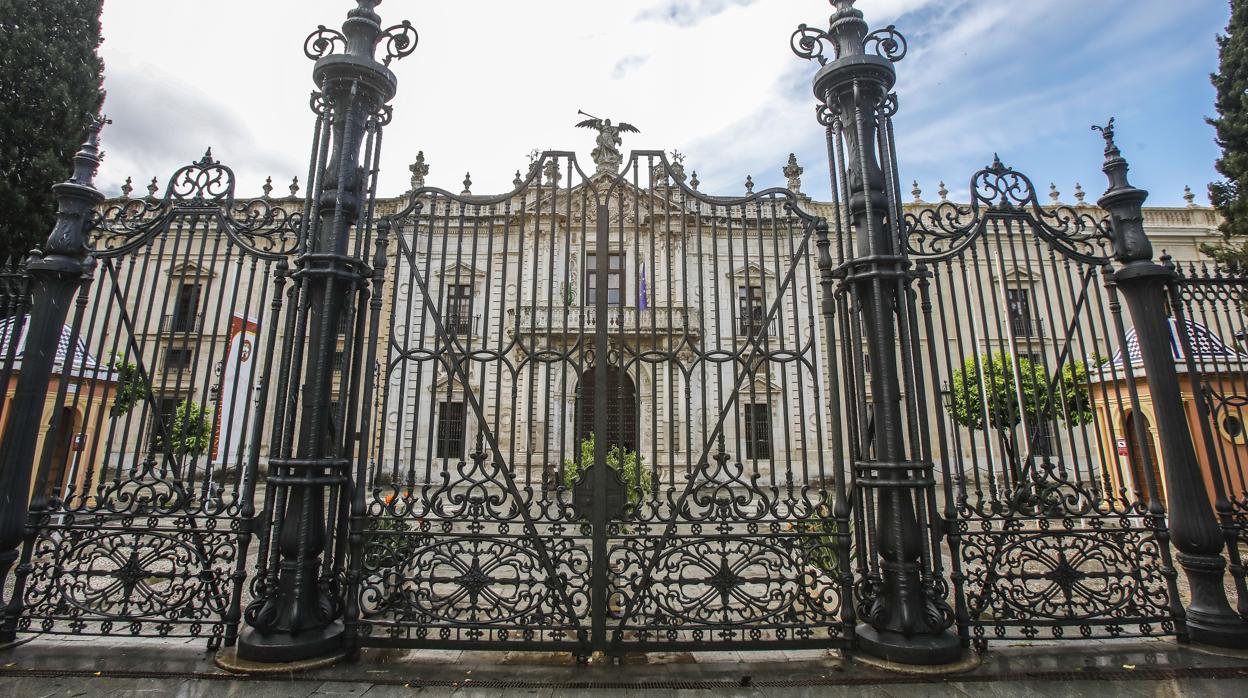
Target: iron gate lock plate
583 493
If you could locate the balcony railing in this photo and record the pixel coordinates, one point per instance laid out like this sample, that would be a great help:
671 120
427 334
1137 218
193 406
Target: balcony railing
1026 328
570 319
181 323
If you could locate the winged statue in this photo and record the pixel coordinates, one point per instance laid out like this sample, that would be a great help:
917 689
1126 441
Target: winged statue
607 155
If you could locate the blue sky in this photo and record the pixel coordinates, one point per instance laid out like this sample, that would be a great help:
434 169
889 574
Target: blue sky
493 79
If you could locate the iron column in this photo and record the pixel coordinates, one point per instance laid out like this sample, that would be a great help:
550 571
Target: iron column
56 275
1193 527
905 612
296 615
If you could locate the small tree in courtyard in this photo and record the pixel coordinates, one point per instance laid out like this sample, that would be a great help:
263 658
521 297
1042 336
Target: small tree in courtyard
986 395
191 431
1231 127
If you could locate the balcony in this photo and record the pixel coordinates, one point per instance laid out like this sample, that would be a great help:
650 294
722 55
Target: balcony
175 323
1026 328
571 319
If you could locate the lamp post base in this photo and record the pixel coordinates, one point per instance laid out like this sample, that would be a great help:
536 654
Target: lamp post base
940 648
269 648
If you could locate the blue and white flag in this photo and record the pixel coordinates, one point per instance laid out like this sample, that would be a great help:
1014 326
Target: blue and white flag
641 290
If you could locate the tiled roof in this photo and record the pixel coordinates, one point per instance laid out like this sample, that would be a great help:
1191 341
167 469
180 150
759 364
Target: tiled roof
1206 346
82 358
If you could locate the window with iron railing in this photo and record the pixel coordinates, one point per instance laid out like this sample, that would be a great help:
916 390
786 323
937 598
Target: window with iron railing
451 428
457 316
751 314
185 315
615 279
758 432
1023 323
179 359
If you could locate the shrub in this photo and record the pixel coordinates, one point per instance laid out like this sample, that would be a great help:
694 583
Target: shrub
626 462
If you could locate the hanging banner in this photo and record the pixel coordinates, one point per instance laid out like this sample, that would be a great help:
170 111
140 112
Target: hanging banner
234 408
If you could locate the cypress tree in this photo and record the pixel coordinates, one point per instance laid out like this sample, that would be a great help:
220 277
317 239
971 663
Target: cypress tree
1231 127
51 79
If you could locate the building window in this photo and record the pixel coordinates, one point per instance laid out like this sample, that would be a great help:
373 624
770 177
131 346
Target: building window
162 421
458 313
179 359
451 430
750 311
1022 321
339 361
185 308
1041 444
615 279
758 432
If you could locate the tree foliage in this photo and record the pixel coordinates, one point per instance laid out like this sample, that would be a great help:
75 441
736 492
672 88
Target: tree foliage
50 81
191 431
130 386
1231 127
626 462
985 387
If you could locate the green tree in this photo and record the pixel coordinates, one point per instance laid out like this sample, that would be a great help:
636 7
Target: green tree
130 386
191 431
626 462
50 81
1231 128
984 388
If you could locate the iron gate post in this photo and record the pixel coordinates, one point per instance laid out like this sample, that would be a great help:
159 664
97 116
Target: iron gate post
55 276
299 618
906 615
1193 527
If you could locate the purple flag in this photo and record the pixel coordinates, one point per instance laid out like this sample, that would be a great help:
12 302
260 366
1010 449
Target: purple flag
641 291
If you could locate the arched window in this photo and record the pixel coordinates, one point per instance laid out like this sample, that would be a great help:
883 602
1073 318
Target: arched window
1135 454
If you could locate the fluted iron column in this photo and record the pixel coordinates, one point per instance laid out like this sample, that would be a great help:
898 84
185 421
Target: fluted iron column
297 612
56 276
1194 529
906 615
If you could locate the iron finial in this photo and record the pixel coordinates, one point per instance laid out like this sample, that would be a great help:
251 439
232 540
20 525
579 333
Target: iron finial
1107 132
87 159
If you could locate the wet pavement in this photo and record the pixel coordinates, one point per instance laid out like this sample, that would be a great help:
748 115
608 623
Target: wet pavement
118 667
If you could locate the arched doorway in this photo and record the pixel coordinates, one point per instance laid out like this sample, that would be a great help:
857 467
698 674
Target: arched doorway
62 451
1135 454
621 401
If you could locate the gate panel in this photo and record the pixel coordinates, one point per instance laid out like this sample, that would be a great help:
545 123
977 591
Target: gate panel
145 475
1210 329
726 538
1046 448
604 421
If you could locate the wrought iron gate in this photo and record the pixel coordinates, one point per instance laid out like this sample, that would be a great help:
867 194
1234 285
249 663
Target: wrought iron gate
603 420
1053 515
142 499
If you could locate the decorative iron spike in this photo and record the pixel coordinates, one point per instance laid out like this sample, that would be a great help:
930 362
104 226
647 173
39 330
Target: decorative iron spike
268 187
126 188
294 187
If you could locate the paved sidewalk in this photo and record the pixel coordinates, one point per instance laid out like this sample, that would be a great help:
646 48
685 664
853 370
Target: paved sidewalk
157 669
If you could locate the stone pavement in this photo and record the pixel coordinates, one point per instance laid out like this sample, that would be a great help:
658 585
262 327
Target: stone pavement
118 667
